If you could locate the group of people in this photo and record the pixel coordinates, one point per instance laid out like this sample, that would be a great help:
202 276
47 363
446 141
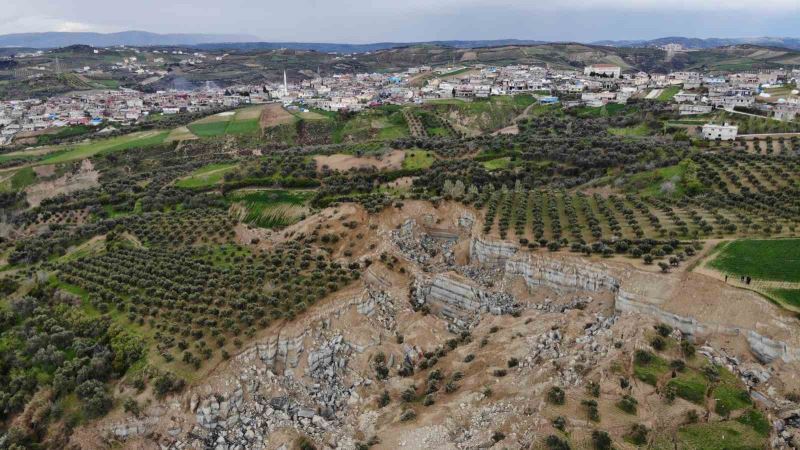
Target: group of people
744 279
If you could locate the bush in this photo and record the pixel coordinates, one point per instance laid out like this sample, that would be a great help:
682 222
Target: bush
658 343
554 442
95 398
687 348
408 415
593 389
663 329
498 436
384 399
591 410
166 384
643 357
601 440
628 404
638 434
303 443
560 423
513 362
556 396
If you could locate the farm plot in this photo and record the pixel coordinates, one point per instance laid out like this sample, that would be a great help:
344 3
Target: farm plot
774 260
206 176
270 208
104 146
243 121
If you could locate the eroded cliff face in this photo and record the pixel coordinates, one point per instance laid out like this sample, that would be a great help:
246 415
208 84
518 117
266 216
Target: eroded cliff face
651 294
437 298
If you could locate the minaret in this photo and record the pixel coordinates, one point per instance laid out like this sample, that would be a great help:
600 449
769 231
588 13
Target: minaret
285 84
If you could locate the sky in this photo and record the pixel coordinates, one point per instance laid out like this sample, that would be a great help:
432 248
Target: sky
362 21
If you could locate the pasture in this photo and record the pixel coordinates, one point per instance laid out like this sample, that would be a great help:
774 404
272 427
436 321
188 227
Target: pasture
104 146
761 259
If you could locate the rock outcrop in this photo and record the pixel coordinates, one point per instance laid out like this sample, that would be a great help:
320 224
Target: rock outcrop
634 292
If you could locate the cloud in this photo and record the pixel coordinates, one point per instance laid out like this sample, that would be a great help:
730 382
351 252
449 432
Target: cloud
37 23
411 20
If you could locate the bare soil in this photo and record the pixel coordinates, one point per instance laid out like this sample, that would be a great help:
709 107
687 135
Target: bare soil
342 162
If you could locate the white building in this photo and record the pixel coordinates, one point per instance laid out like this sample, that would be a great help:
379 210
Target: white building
724 132
607 70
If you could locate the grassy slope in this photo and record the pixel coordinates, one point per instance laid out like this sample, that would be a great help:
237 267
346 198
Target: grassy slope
417 159
271 208
142 139
206 176
668 92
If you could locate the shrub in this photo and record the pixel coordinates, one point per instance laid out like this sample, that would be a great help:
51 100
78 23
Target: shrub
658 343
663 329
643 357
498 436
560 423
556 396
513 362
96 400
554 442
593 389
638 434
303 443
628 404
591 410
687 348
408 415
601 440
384 399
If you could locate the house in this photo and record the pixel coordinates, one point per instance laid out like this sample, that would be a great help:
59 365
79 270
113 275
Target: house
685 97
724 132
786 112
603 70
686 110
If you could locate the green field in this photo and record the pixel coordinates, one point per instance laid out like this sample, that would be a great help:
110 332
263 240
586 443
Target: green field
244 121
788 296
652 371
669 92
208 129
271 208
690 386
499 163
22 179
133 140
417 159
730 435
206 176
640 130
761 259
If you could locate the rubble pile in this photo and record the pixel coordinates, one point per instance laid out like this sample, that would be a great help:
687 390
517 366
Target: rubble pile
424 248
576 303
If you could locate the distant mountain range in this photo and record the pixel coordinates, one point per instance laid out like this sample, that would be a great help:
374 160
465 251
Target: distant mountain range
129 38
697 43
245 42
359 48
